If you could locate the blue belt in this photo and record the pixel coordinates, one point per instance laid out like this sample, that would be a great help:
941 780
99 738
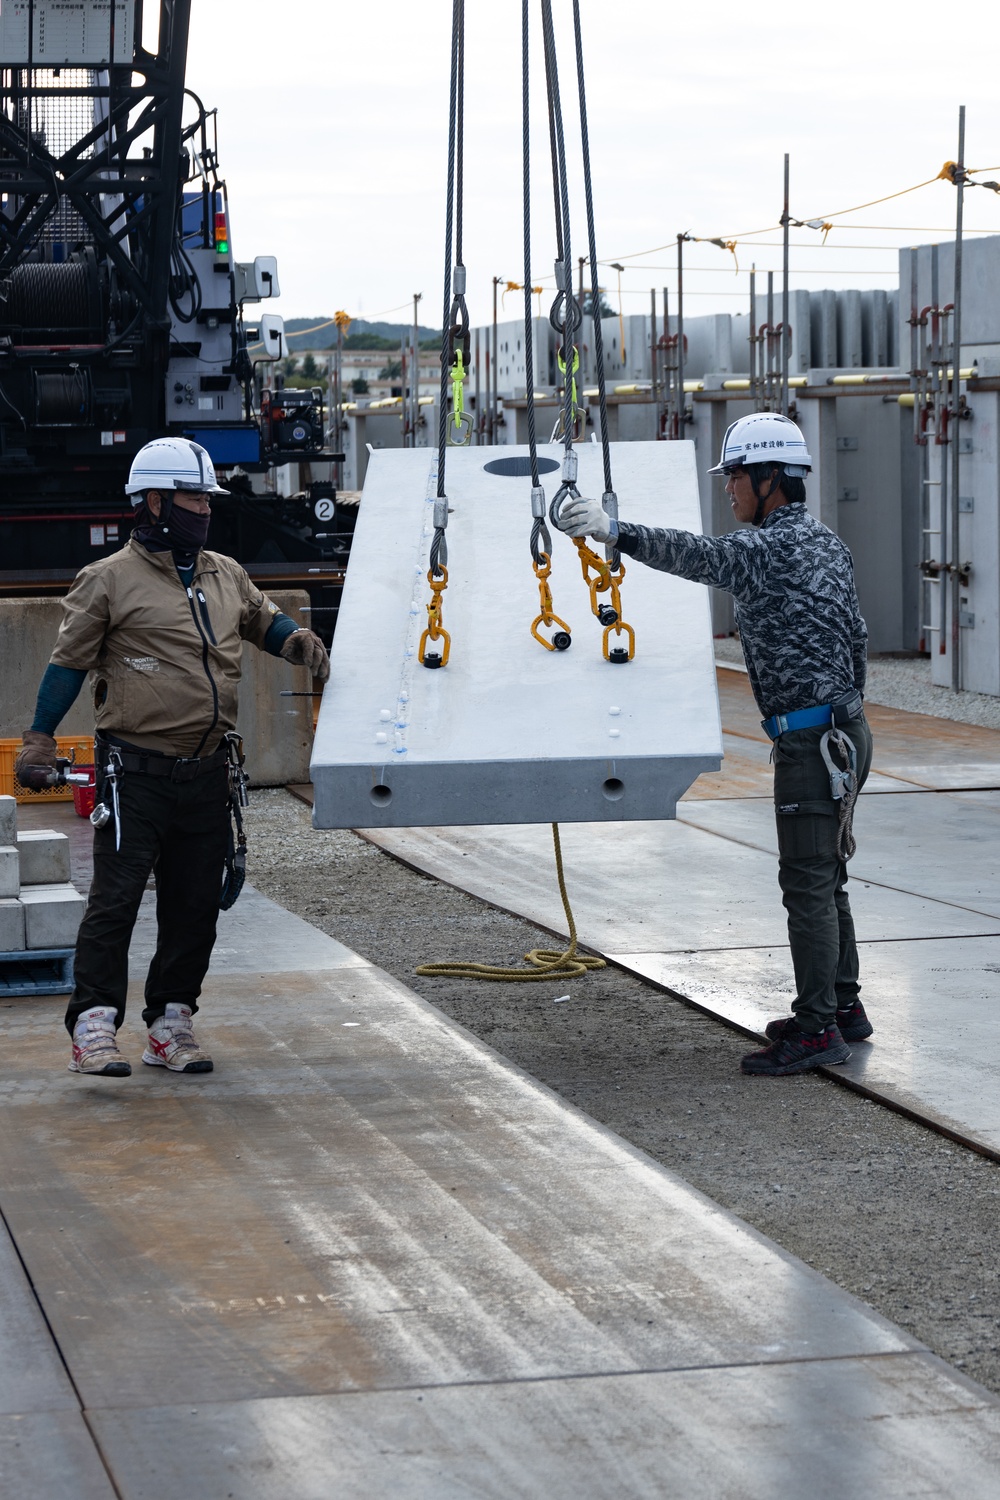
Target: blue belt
802 718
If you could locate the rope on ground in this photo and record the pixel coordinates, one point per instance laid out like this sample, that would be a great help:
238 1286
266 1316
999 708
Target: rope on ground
546 963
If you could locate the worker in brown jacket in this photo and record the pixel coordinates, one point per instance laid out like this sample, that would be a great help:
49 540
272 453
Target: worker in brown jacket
160 625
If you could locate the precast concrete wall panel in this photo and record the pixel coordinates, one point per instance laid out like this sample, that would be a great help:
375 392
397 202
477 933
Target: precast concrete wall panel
800 322
849 336
508 732
869 511
823 327
979 543
980 287
874 328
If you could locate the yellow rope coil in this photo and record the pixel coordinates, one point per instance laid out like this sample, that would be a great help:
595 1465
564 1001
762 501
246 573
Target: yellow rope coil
546 963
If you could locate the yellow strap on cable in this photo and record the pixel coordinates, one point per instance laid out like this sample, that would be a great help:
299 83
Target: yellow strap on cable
546 963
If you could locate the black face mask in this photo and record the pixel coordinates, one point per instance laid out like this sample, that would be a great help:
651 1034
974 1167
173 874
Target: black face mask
185 534
187 530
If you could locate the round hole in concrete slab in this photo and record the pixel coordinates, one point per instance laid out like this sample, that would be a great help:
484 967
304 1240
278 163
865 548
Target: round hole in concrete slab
381 795
519 467
613 789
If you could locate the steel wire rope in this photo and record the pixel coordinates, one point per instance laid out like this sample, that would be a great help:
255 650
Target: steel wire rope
595 308
819 221
544 963
565 304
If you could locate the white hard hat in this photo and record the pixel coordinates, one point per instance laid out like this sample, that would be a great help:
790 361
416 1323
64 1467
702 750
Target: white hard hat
172 463
765 437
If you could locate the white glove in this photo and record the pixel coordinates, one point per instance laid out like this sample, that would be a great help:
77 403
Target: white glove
583 517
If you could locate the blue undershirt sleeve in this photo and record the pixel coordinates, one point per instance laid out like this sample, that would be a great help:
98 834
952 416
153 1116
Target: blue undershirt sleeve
281 627
57 693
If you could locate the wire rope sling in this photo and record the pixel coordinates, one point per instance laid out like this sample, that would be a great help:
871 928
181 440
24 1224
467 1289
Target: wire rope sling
454 429
602 576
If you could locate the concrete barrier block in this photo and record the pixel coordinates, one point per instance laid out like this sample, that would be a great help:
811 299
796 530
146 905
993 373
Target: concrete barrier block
28 630
8 821
277 731
10 880
44 857
52 915
11 925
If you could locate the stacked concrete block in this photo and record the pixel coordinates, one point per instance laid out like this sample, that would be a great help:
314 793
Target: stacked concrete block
39 907
44 857
52 915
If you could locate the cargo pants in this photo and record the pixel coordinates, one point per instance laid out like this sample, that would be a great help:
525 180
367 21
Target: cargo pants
179 832
812 877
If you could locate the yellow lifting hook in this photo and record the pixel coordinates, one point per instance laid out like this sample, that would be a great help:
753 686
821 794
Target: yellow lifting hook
461 419
435 624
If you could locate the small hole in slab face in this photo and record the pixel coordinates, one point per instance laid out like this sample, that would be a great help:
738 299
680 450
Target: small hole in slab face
613 789
380 795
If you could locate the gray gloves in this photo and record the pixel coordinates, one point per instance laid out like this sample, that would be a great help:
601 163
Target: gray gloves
36 760
583 517
303 648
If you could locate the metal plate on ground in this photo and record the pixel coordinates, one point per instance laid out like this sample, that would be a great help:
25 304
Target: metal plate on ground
508 731
882 1428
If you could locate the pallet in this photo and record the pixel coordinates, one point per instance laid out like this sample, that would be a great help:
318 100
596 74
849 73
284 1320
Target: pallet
36 971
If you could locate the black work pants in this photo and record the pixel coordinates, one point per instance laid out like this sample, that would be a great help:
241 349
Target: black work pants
812 876
179 830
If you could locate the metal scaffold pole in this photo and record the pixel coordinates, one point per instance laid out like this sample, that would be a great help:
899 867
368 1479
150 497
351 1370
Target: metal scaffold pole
754 393
956 360
680 335
415 374
785 330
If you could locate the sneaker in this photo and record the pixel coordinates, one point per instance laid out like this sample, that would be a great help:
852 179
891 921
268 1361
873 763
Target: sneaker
171 1043
852 1023
95 1047
795 1051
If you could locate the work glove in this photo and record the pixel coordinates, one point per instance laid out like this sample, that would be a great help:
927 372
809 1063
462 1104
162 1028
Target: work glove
303 648
583 517
36 759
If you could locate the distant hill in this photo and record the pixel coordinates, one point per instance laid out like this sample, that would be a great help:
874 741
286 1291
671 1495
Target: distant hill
362 335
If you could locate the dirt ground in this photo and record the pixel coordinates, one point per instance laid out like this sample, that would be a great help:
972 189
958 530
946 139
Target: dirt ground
901 1217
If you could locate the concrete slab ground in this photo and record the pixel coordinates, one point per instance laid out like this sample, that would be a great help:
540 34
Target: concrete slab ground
694 905
369 1257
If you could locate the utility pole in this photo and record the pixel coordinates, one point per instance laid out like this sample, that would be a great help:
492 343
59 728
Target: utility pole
785 331
680 334
956 360
582 261
494 404
415 374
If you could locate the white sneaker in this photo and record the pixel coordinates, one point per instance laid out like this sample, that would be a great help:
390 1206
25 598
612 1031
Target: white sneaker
95 1048
172 1044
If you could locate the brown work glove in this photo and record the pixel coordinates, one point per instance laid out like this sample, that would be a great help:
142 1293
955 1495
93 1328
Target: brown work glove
36 759
305 649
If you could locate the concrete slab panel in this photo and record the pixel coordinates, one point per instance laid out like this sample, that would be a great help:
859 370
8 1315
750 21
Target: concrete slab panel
11 925
32 1376
51 1456
8 820
256 936
363 1197
52 915
945 848
44 856
10 871
509 731
882 1428
939 754
935 1007
663 886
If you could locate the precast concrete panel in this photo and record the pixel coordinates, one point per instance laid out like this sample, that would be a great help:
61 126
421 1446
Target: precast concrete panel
823 327
509 732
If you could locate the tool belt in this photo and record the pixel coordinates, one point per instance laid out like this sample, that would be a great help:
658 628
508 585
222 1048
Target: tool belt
153 763
842 712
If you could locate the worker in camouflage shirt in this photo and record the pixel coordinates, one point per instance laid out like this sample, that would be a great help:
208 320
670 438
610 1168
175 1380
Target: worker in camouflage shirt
805 646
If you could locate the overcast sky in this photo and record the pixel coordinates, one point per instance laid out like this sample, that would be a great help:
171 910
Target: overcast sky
333 134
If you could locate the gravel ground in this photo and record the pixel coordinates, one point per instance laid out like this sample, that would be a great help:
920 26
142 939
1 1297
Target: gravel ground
905 682
897 1215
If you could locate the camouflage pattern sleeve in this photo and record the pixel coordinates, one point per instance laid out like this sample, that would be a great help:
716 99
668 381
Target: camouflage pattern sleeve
725 562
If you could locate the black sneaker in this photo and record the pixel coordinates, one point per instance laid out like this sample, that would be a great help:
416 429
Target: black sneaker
852 1023
795 1051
